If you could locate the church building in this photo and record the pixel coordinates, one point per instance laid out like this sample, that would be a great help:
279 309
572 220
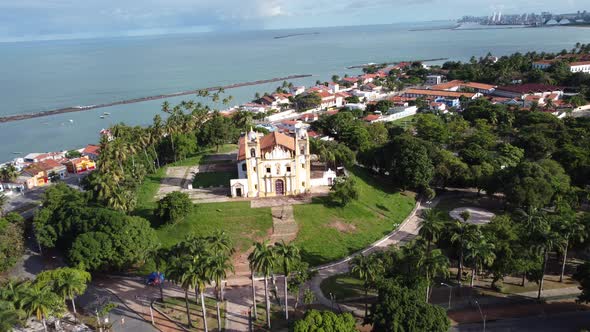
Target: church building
272 165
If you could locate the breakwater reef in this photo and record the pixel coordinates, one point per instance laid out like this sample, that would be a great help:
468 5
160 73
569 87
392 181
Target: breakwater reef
393 63
17 117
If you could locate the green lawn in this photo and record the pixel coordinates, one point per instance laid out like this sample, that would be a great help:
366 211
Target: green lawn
328 233
213 179
343 286
242 223
404 121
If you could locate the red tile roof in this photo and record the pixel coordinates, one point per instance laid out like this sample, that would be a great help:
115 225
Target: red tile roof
372 117
439 93
579 63
91 149
42 166
529 88
267 143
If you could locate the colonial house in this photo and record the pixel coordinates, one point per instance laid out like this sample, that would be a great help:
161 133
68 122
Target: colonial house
254 108
523 90
432 93
583 65
580 67
352 81
91 151
275 164
457 85
330 99
267 101
38 174
80 165
297 90
372 118
38 157
334 87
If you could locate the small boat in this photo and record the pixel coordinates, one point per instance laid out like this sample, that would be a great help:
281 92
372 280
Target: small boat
71 121
106 113
102 116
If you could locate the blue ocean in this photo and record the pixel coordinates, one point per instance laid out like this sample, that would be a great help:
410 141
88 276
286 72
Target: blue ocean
45 75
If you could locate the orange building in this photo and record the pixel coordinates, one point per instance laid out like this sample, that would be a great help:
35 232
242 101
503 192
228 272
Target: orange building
39 172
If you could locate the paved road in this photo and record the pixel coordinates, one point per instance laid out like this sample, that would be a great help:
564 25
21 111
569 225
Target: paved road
407 230
122 318
569 321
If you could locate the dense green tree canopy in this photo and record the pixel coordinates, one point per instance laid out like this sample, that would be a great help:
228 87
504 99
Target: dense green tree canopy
403 309
325 321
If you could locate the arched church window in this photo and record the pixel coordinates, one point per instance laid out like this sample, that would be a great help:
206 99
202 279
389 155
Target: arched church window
252 152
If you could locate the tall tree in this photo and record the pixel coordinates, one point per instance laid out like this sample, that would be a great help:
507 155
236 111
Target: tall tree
218 267
432 264
263 260
41 302
431 226
463 233
288 255
481 253
366 268
66 282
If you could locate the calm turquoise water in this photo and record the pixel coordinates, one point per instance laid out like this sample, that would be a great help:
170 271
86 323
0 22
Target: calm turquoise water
37 76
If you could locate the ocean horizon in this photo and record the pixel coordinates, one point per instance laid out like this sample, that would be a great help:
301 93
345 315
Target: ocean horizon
45 75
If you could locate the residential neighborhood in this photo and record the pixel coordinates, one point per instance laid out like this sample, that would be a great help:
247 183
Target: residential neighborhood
453 192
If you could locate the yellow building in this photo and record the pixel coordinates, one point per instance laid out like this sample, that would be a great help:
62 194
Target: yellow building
80 165
272 165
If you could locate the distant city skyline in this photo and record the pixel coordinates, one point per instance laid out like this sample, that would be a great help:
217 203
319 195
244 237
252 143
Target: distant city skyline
59 19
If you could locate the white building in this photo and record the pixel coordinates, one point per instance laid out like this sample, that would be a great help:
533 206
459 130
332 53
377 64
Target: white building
297 90
275 165
334 87
433 79
582 66
255 108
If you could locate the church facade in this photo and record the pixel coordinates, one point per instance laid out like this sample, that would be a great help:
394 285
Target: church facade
272 165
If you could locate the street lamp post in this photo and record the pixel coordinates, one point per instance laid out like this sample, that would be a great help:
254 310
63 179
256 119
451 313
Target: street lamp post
483 317
450 293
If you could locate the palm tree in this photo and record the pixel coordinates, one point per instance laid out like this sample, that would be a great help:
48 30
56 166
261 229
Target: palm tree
366 268
481 253
9 318
462 233
289 255
216 271
8 173
546 240
570 228
66 282
40 302
433 263
199 278
263 259
220 242
431 225
178 271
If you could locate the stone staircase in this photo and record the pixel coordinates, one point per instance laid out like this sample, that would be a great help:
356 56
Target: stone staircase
284 227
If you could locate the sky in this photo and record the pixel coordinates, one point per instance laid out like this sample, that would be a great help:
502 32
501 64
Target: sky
53 19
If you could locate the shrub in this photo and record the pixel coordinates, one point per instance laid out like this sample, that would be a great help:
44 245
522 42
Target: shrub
343 191
174 207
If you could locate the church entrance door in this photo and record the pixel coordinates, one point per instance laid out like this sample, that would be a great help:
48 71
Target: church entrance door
280 187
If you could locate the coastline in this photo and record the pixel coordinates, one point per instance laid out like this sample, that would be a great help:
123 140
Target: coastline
18 117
